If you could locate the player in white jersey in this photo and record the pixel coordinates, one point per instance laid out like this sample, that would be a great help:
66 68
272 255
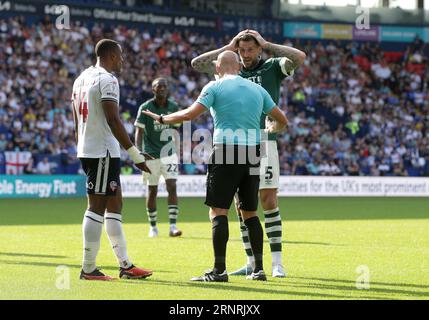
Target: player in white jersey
99 134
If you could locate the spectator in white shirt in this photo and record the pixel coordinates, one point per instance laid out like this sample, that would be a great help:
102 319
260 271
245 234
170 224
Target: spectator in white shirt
44 167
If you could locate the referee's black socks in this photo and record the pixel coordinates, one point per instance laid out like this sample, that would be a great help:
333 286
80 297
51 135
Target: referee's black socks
220 238
256 237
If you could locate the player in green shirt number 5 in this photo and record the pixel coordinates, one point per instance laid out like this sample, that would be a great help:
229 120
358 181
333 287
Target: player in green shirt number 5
269 74
149 139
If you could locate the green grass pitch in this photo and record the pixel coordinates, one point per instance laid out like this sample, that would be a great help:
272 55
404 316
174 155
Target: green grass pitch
326 240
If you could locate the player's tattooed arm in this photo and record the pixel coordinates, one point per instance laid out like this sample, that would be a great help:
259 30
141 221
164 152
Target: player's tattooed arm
204 63
294 57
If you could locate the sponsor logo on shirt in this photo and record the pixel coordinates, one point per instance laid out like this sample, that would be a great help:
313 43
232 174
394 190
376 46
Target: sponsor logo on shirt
256 79
113 185
111 94
160 127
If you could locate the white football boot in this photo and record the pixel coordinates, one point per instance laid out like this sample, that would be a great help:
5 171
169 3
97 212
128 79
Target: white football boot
153 232
278 271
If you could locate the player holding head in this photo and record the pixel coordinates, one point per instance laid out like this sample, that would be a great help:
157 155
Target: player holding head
236 105
99 133
149 132
268 73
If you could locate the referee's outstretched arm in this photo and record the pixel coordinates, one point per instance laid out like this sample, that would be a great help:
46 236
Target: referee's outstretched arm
177 117
280 120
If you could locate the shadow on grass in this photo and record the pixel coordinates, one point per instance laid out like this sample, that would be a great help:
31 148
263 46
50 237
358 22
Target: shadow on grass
75 266
335 284
284 242
350 291
30 255
281 289
231 286
407 285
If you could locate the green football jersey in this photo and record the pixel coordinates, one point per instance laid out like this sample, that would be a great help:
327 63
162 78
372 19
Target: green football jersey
269 75
152 143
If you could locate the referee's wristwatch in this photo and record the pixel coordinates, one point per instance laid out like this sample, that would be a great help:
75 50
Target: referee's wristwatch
161 120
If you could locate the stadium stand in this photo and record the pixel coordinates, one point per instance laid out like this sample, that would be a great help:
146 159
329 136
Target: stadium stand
354 109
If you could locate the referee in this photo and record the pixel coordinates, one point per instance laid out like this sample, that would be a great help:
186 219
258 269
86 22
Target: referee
236 105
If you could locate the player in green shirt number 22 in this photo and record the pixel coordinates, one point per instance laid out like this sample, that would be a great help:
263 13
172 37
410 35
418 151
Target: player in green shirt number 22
148 139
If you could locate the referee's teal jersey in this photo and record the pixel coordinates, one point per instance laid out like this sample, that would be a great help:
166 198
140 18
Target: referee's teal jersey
236 105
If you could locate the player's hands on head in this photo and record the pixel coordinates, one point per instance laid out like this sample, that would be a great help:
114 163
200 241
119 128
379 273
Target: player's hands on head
143 167
262 42
234 42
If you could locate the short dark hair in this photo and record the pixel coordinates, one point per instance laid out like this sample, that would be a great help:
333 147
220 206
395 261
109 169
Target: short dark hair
247 37
104 46
158 79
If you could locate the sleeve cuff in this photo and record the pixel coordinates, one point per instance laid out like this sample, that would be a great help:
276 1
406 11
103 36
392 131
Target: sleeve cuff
283 68
202 103
109 99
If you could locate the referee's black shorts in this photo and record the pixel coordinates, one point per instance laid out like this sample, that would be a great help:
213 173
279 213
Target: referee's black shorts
102 175
238 174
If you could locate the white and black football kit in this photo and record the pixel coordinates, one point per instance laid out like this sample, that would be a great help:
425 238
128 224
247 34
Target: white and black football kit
97 148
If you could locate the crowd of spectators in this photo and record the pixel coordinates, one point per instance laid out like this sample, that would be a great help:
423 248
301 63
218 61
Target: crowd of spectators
354 109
